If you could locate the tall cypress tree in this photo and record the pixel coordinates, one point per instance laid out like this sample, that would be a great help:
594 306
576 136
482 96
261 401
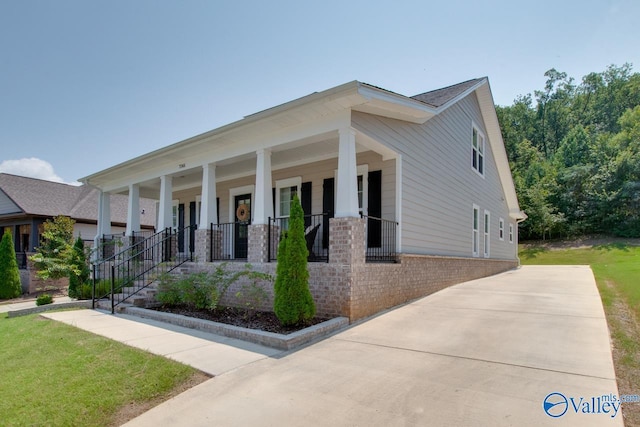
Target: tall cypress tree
10 286
78 269
293 302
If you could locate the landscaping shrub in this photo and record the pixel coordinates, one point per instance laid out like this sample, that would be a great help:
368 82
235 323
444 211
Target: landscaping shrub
203 290
9 274
293 303
44 299
79 270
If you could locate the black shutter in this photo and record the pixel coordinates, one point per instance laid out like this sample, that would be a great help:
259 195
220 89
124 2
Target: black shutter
273 199
218 209
306 202
180 227
192 221
328 207
374 227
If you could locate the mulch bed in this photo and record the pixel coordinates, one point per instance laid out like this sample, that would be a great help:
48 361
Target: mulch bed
261 320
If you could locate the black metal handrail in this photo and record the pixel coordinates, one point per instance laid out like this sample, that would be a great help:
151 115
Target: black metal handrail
317 240
135 267
381 235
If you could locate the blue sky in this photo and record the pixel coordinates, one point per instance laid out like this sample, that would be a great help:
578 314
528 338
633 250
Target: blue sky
85 85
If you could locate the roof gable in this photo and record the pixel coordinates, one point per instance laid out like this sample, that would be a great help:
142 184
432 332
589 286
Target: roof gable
440 97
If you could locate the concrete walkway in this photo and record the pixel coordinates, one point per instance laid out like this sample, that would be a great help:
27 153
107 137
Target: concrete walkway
210 353
483 353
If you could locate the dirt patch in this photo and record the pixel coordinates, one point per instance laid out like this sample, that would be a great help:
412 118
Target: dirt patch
625 337
261 320
134 409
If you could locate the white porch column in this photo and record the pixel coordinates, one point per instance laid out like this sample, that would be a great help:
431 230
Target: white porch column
263 209
347 186
208 213
133 210
165 214
104 217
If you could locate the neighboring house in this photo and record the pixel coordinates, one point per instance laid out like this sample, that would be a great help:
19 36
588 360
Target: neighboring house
421 181
26 203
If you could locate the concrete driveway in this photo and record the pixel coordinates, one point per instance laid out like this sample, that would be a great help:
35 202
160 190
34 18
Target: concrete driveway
486 352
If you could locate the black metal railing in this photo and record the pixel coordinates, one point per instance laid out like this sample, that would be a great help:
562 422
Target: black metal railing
381 239
229 241
317 239
21 259
134 267
110 244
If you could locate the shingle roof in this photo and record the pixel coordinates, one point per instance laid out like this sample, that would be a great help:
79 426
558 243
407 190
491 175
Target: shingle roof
439 97
45 198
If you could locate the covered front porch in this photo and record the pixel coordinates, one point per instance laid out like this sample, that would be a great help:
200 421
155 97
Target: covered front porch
235 208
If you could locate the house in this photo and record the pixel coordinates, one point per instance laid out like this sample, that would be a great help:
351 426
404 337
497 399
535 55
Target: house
26 203
404 195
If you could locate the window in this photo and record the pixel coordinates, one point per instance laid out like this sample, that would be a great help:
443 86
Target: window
486 234
477 151
476 227
363 188
501 229
285 190
510 233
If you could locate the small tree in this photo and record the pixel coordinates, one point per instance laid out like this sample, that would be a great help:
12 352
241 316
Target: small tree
10 286
52 256
78 269
293 302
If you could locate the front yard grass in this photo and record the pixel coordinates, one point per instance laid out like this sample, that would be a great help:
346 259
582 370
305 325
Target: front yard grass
616 268
54 374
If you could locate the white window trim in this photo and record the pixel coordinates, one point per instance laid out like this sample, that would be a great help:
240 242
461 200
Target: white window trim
511 233
501 230
284 183
486 243
363 170
484 146
475 230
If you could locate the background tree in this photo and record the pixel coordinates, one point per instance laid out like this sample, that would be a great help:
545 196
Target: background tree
293 302
52 256
575 154
10 286
78 268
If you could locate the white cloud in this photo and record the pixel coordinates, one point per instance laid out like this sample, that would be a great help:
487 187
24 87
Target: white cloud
32 167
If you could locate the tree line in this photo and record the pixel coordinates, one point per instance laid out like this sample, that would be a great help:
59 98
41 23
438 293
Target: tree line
574 152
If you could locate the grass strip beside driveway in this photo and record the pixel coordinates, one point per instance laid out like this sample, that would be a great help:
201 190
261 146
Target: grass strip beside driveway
616 268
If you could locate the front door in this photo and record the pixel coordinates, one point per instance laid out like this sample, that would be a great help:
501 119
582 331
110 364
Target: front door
243 219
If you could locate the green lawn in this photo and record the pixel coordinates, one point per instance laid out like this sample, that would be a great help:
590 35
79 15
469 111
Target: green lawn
55 374
617 264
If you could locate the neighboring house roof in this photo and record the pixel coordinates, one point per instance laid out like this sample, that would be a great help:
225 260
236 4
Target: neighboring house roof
29 196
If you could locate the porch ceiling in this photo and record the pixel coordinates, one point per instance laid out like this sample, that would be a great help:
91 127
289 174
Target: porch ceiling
300 152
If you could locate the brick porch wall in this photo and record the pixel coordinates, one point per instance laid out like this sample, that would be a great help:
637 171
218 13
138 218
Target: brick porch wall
347 286
376 287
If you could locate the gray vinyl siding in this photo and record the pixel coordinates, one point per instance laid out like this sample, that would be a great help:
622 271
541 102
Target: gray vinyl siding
439 186
7 206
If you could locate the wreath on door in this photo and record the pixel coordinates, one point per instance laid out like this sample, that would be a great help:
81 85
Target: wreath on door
242 213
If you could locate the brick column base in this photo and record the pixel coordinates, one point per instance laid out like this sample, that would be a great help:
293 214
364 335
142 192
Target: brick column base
258 241
347 241
202 246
